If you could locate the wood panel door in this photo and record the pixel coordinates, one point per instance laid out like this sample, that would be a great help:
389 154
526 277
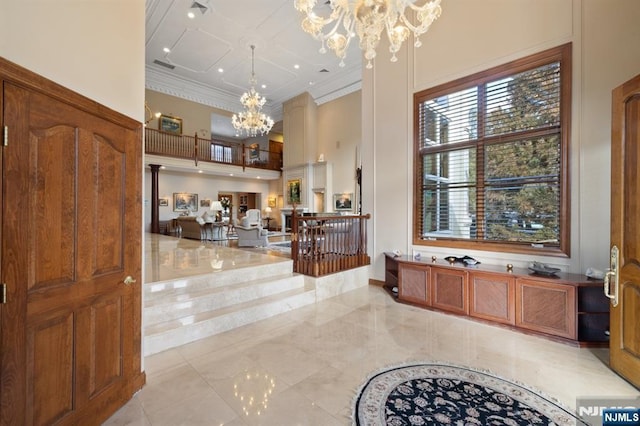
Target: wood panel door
492 297
625 232
414 284
546 307
275 154
71 234
450 290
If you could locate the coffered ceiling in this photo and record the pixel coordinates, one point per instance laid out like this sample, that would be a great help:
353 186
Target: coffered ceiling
207 58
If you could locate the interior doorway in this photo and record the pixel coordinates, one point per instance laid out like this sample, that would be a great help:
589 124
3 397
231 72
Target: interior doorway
318 202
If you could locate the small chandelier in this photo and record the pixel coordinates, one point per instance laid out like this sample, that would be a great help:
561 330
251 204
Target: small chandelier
367 19
252 120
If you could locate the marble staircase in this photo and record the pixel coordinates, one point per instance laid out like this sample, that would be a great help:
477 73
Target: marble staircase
187 309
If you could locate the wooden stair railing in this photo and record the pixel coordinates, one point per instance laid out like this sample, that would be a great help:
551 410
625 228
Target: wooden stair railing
209 150
322 245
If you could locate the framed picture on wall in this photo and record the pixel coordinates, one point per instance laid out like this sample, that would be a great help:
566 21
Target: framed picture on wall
254 151
293 191
170 124
272 202
163 202
342 202
205 203
185 202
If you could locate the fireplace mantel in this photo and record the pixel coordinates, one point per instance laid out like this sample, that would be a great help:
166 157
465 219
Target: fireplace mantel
285 213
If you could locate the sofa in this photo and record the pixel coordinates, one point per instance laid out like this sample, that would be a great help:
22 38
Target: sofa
192 227
252 236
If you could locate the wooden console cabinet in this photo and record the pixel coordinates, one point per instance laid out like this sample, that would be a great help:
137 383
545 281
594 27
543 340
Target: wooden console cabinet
567 307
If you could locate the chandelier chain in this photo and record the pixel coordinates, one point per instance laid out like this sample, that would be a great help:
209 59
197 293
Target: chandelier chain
252 120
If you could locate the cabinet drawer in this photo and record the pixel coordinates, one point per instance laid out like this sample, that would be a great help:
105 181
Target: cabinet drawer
492 297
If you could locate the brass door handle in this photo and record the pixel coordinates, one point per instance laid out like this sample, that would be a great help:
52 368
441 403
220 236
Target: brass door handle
129 280
612 275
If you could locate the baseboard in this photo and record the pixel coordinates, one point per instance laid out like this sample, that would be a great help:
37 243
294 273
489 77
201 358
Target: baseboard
376 282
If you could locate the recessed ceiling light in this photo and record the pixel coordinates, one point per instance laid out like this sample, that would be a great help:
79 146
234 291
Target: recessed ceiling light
230 174
311 83
258 177
199 171
220 70
191 15
166 50
264 86
163 167
296 66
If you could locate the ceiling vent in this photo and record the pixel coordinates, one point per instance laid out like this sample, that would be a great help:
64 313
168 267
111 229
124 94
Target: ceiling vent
201 5
164 64
324 70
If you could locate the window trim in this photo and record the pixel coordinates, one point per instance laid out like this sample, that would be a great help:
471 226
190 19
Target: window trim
561 54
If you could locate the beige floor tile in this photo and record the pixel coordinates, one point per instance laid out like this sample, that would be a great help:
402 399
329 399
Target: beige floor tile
132 414
304 367
204 408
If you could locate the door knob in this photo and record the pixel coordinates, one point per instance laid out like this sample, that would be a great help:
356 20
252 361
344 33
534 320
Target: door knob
129 280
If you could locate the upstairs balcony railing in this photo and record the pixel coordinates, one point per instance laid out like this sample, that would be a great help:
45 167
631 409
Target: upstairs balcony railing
322 245
210 150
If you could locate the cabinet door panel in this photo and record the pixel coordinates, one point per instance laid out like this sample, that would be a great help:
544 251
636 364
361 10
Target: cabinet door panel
450 290
414 284
546 307
492 297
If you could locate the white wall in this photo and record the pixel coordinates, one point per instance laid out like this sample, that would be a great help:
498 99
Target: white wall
95 48
471 36
339 136
206 186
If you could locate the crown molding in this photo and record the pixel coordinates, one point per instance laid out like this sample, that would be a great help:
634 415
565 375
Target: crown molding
172 85
162 82
339 93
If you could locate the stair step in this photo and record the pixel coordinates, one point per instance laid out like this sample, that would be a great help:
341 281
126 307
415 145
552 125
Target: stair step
169 334
174 306
190 284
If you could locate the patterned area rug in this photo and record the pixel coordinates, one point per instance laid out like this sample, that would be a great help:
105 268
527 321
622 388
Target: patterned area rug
440 394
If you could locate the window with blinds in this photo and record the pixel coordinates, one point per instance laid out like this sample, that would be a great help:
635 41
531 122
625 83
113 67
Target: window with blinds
491 157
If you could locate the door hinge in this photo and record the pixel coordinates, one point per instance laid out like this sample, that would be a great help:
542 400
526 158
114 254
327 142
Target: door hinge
5 137
3 293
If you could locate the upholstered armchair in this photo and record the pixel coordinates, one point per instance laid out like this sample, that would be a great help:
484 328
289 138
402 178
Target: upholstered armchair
253 218
252 236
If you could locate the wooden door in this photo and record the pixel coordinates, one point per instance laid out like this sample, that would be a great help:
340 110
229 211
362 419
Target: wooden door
275 155
624 286
71 234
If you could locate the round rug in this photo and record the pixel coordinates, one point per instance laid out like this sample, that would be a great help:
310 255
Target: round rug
439 394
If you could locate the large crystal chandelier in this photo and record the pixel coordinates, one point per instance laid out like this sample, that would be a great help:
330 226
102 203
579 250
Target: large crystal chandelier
367 19
252 120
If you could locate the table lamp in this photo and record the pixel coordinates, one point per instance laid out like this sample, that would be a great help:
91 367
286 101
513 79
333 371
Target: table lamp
216 206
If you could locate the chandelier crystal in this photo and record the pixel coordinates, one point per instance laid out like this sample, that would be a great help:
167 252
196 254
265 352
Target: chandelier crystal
366 19
252 120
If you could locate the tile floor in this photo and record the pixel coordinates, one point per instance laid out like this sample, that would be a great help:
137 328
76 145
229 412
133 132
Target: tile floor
304 367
